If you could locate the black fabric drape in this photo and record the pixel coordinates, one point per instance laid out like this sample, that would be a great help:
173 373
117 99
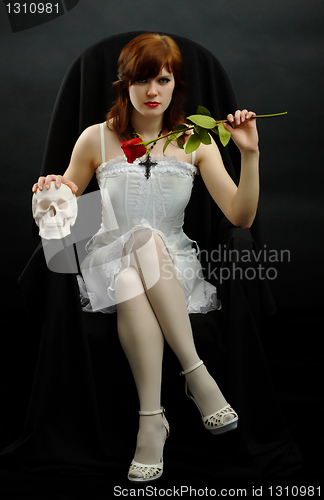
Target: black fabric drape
77 421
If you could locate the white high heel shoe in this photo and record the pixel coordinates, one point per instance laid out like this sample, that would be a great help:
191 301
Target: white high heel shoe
215 422
149 472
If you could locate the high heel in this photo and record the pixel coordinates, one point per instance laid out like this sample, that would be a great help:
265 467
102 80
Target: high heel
214 422
149 472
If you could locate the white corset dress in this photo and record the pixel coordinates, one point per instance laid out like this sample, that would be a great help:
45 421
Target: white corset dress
130 203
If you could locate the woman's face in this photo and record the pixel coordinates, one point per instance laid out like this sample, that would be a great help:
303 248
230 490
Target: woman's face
152 97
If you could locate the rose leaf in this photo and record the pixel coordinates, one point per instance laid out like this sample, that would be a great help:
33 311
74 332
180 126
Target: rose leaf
193 143
203 121
201 110
224 135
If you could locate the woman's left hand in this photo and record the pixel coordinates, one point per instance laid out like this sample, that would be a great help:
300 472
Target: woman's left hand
243 130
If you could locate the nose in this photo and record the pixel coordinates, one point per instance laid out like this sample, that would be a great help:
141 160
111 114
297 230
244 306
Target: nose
52 211
152 90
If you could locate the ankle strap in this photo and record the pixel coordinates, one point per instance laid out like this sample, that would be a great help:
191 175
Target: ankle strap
156 412
192 368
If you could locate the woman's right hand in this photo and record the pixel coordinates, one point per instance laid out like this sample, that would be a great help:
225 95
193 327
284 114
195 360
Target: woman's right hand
59 179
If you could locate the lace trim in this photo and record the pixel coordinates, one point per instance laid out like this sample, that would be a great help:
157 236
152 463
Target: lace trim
149 194
211 302
172 164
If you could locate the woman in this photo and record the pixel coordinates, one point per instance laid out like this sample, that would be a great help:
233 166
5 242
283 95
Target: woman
139 260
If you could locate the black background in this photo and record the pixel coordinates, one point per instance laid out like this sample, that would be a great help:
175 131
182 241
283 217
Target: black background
273 53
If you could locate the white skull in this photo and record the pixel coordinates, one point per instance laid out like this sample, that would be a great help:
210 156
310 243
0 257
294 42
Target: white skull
54 211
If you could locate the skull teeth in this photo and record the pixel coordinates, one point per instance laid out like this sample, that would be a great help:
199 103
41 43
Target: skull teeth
53 225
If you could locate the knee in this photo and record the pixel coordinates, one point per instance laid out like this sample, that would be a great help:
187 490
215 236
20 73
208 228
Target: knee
128 285
129 277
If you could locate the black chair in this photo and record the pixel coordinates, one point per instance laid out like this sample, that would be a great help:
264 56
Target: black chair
77 421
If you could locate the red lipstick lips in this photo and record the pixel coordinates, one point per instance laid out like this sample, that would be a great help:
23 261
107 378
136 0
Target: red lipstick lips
152 104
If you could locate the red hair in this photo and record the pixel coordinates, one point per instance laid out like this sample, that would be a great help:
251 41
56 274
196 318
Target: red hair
144 57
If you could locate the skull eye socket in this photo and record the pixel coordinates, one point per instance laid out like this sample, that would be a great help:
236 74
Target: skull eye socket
44 205
63 204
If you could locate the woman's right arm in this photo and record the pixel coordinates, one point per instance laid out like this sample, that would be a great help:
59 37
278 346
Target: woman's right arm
84 161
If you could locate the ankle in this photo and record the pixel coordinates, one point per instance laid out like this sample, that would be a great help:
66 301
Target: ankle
201 382
150 438
191 365
150 422
205 390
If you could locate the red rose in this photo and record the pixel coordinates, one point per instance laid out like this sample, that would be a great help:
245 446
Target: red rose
133 149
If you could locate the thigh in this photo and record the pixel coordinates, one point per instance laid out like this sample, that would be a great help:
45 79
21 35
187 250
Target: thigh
128 285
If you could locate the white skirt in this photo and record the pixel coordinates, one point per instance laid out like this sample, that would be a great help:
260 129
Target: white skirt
105 262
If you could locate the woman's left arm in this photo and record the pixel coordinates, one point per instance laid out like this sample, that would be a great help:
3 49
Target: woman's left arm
238 203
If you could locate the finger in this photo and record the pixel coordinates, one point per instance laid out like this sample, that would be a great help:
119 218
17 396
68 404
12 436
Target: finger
240 116
46 181
249 115
49 179
230 118
237 117
243 115
70 184
58 179
40 183
74 188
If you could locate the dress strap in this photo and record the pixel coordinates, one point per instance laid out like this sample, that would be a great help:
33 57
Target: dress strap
102 137
193 157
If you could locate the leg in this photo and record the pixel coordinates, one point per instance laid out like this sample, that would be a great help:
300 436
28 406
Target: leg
168 302
142 341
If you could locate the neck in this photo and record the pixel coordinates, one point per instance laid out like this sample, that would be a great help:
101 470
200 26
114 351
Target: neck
149 128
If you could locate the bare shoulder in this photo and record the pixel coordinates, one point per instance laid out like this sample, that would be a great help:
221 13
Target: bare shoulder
90 137
208 155
89 142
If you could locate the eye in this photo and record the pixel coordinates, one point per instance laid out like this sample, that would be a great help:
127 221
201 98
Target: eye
141 80
164 80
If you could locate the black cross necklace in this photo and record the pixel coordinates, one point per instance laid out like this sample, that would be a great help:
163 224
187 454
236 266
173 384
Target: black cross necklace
148 163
